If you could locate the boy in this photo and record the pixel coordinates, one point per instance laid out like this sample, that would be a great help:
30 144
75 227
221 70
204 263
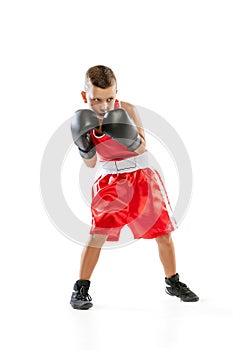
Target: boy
128 191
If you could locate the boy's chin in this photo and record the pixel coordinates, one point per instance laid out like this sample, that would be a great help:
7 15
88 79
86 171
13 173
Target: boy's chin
101 116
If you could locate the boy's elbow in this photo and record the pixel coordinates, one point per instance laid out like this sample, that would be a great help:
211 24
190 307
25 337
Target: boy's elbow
141 149
90 163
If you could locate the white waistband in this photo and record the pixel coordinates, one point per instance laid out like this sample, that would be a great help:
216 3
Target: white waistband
126 165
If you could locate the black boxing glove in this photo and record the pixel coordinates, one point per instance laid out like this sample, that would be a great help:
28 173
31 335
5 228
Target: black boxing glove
83 121
118 125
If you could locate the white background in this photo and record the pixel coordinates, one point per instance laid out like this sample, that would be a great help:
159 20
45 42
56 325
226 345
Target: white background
174 57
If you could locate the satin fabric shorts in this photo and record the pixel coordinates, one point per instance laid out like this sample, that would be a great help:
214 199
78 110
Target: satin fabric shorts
137 199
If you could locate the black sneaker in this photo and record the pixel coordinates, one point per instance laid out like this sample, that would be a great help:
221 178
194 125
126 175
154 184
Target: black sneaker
80 299
176 288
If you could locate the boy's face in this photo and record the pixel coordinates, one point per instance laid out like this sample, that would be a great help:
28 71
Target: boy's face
100 100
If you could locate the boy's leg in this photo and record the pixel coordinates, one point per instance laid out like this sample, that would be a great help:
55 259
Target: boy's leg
90 256
80 299
167 256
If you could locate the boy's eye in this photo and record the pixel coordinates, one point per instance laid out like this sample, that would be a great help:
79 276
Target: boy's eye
108 100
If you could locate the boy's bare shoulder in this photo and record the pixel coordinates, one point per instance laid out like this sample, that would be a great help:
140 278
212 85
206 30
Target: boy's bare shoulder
134 114
127 106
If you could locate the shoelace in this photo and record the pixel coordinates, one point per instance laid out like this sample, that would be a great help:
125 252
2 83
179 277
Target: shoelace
84 294
180 285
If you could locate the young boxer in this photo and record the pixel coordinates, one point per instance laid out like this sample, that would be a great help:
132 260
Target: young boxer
128 191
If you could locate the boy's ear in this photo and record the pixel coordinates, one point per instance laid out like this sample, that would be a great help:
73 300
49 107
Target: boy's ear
83 93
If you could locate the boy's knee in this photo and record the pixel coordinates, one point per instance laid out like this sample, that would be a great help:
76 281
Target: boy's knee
165 239
97 240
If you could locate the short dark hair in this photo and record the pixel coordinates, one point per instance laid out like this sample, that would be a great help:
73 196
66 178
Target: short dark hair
100 76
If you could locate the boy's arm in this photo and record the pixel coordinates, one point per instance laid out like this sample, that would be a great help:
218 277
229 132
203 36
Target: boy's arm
133 113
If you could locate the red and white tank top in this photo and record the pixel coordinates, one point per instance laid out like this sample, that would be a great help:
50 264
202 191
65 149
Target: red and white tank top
110 150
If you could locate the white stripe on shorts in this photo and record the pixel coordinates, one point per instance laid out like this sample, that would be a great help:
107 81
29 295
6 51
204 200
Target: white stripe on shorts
165 198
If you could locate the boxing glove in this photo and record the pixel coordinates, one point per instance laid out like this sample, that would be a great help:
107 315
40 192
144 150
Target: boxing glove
83 121
118 125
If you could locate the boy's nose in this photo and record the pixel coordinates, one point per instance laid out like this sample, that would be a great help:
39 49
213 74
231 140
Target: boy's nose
104 107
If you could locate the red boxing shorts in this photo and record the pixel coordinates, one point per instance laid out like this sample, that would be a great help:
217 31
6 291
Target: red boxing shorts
136 198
